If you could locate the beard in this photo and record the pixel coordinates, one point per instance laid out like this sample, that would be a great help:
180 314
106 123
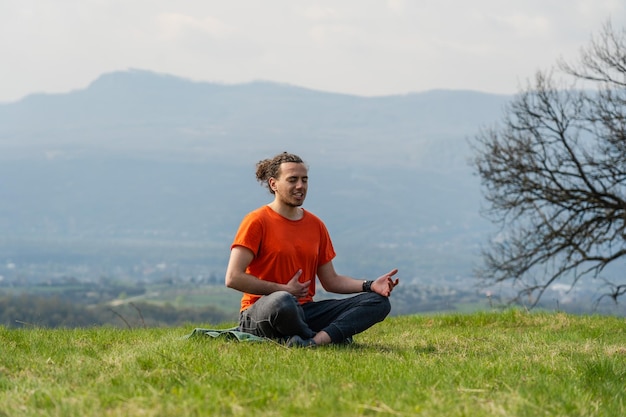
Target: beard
291 201
294 202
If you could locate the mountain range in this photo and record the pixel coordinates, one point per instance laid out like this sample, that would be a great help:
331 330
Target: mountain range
142 168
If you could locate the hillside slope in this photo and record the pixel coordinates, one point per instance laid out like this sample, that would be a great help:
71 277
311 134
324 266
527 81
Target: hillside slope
510 363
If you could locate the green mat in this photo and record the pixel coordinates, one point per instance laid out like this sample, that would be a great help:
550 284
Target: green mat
232 333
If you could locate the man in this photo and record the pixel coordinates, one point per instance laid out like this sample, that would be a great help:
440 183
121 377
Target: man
278 251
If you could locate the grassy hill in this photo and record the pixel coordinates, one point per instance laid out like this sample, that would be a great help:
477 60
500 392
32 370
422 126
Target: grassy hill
511 363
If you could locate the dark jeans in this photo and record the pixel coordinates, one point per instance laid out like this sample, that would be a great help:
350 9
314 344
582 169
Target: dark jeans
279 315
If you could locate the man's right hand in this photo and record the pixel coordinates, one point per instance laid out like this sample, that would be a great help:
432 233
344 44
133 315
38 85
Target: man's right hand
296 288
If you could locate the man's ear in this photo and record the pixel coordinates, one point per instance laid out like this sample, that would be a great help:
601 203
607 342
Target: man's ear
271 183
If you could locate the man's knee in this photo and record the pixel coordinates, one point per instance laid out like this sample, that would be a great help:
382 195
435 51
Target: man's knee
381 303
280 301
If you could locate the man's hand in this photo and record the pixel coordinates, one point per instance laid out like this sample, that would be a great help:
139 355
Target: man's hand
385 284
297 288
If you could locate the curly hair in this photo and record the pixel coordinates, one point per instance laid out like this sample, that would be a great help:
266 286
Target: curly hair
270 168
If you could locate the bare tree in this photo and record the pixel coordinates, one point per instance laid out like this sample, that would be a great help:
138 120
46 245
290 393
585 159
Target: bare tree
553 173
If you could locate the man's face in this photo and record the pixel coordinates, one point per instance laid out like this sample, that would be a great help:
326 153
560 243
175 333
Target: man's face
291 186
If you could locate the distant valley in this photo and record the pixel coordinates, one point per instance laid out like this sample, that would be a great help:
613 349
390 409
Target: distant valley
143 169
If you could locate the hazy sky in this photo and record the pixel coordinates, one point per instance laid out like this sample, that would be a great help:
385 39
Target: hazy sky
364 47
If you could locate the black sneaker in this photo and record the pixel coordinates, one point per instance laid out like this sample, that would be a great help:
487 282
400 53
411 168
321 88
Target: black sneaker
297 341
348 341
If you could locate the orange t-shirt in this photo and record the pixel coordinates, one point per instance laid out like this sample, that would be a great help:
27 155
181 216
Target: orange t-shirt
281 247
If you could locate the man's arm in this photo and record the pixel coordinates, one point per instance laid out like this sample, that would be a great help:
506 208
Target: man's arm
339 284
238 279
342 284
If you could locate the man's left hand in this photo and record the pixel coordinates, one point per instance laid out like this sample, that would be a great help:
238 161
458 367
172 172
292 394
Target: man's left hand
384 284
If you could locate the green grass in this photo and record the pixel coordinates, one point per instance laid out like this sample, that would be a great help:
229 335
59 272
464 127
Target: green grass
511 363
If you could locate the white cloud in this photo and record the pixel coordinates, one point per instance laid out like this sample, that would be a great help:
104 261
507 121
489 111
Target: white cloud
318 12
523 25
396 5
334 35
177 25
600 8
